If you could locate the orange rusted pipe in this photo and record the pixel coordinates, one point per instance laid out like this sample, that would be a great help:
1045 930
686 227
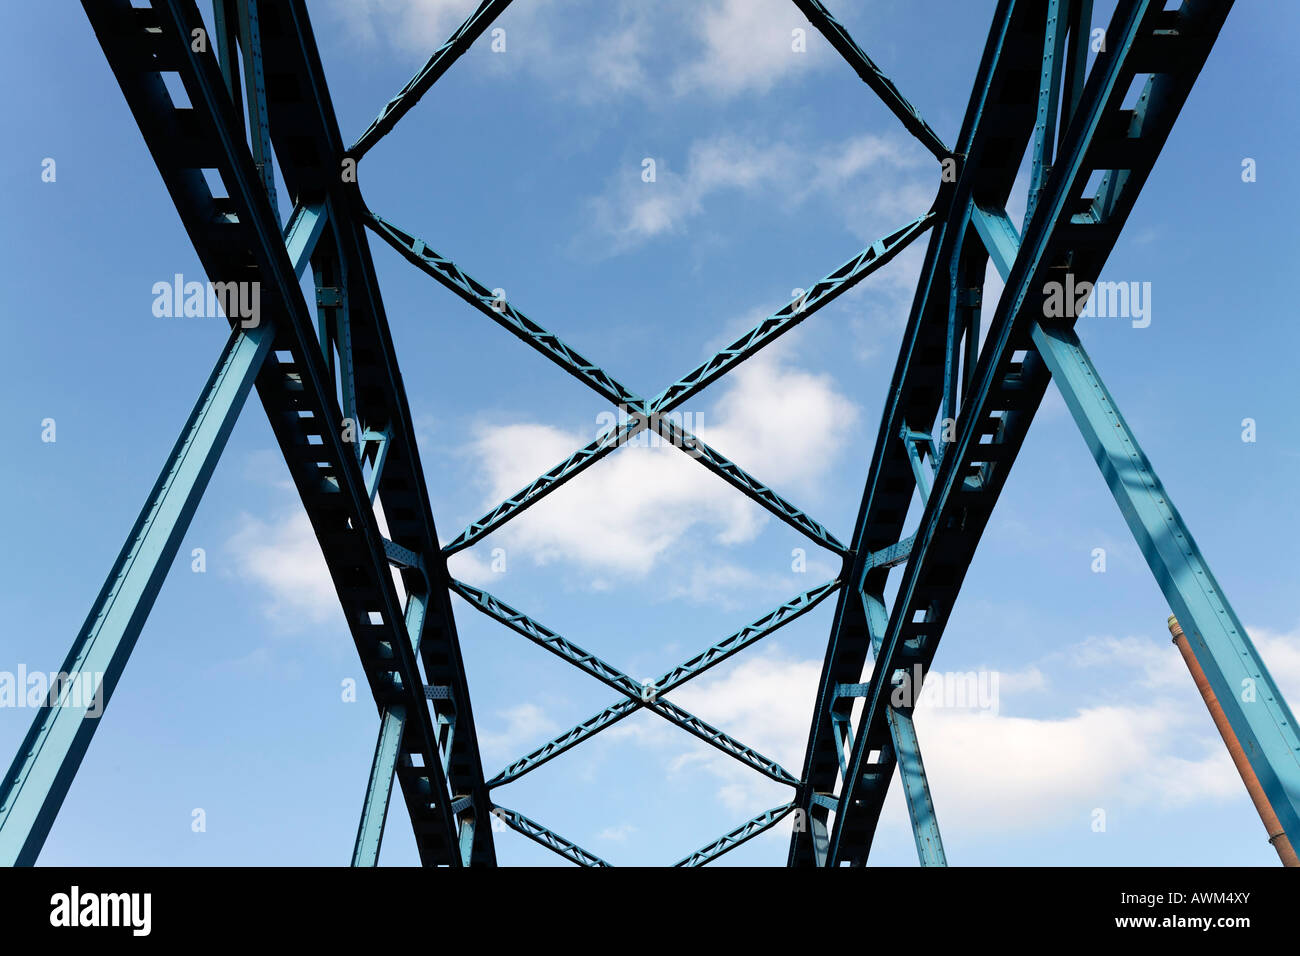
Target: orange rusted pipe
1276 835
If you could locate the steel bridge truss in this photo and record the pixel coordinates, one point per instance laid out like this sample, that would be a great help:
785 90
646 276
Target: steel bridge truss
958 408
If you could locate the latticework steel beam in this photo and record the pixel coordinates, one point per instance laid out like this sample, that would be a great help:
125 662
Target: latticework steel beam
734 838
747 636
1142 38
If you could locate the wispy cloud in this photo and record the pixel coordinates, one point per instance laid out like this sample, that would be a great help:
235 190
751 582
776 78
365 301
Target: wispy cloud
596 50
279 557
1139 737
616 834
873 183
509 732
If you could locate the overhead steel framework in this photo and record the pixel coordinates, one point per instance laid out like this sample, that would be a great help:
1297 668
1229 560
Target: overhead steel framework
957 410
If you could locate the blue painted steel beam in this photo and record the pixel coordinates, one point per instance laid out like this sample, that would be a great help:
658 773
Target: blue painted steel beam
306 135
799 308
379 790
41 773
38 779
550 345
907 754
1256 709
820 293
735 642
501 311
547 838
1068 231
388 748
872 75
236 237
911 440
437 65
749 486
741 834
545 483
997 124
607 674
250 38
1049 94
375 445
1251 699
905 747
891 556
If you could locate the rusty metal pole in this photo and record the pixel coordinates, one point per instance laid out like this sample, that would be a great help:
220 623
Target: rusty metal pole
1276 835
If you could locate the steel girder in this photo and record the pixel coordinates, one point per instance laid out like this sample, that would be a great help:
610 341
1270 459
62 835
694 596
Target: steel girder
1068 231
1255 707
1260 717
988 150
34 787
309 146
237 240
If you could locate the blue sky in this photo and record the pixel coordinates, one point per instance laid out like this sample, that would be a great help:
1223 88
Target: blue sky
525 167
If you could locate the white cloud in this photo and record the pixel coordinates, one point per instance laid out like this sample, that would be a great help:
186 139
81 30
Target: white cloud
525 726
1013 773
747 45
791 423
1135 655
1281 654
732 586
616 834
1000 772
765 700
281 558
594 49
875 183
626 513
416 25
467 566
